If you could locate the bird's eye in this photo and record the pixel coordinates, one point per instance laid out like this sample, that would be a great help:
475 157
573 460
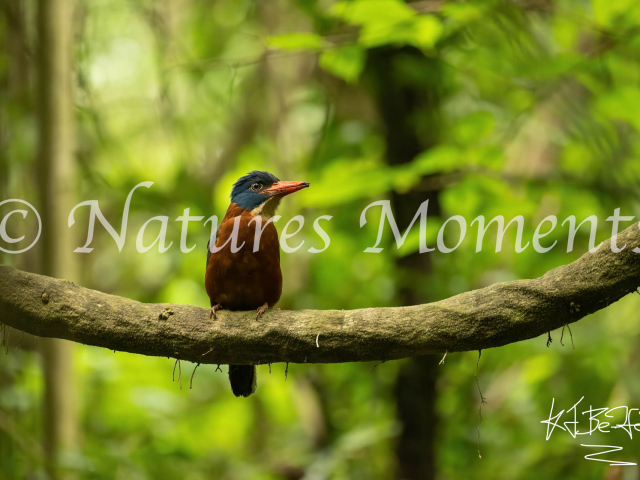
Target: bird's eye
256 186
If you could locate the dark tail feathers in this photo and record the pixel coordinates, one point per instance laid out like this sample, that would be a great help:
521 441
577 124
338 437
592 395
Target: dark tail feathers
243 379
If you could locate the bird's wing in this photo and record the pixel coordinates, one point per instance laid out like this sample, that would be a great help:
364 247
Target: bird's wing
208 256
215 237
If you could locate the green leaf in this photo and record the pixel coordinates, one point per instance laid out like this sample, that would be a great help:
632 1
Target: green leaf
389 22
377 34
368 12
440 159
621 104
296 41
345 62
607 11
473 127
462 12
425 31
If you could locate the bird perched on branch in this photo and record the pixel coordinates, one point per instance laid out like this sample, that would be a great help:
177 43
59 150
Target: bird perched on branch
243 273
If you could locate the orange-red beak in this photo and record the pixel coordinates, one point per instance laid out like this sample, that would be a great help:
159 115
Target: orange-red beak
285 188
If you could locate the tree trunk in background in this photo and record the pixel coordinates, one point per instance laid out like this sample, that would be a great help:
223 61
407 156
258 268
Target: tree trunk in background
56 184
14 85
15 94
399 102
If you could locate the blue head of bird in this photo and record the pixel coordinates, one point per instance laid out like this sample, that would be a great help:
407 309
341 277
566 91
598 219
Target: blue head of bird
260 192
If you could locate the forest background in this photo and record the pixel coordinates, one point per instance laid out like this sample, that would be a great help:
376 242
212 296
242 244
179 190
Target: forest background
487 108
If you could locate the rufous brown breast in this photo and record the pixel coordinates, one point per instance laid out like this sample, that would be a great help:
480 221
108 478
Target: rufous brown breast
244 280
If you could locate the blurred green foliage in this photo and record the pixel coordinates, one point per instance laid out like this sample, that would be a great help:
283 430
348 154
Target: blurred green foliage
538 117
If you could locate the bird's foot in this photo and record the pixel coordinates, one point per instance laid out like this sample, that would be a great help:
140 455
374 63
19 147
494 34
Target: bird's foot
214 309
261 310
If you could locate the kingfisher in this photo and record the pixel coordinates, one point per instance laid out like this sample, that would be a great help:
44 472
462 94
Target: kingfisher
239 275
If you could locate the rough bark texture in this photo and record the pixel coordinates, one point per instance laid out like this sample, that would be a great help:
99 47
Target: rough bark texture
490 317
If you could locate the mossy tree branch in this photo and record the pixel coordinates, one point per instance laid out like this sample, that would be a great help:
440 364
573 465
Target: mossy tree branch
489 317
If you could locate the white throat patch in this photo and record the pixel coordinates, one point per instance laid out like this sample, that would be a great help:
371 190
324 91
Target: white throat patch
267 209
